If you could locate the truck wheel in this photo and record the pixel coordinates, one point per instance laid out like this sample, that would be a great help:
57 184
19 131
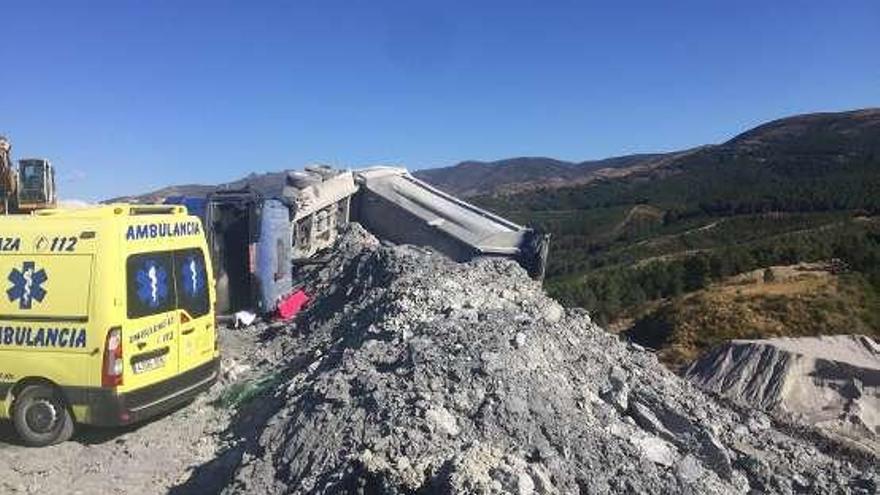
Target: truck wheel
41 417
302 180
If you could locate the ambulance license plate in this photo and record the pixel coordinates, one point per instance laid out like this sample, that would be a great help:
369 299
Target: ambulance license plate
148 364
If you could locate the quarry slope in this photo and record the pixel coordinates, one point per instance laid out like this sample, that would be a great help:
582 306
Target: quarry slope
831 381
414 374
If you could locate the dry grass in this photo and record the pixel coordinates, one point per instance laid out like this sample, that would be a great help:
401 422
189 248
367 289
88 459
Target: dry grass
793 280
801 300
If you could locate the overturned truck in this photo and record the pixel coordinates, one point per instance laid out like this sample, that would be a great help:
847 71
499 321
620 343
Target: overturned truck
259 238
394 205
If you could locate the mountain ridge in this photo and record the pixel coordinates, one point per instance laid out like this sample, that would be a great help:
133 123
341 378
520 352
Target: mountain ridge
488 178
512 176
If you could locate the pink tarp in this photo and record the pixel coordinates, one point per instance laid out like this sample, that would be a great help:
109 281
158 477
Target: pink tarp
292 304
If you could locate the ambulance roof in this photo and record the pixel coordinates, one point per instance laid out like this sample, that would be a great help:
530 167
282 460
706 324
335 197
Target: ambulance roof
116 209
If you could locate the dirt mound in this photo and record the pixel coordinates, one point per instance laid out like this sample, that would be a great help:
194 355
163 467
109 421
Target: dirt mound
423 375
832 382
803 300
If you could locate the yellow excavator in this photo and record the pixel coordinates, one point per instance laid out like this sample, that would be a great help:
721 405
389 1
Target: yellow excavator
28 188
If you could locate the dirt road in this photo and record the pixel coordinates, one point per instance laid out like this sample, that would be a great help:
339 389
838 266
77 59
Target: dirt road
149 458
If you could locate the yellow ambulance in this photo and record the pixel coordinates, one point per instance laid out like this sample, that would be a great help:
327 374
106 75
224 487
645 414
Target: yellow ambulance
106 317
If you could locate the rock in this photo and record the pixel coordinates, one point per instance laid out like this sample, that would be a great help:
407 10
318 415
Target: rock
553 312
519 340
617 394
656 450
491 362
646 418
800 483
715 456
442 420
759 422
689 469
524 484
234 370
314 366
636 347
542 481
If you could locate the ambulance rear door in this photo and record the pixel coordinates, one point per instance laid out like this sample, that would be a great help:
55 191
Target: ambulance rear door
196 343
151 330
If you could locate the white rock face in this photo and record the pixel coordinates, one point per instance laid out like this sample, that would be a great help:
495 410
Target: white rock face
832 382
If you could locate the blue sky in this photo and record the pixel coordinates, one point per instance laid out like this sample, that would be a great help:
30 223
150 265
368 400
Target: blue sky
127 96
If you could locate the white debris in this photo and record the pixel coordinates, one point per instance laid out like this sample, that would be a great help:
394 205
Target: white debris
244 319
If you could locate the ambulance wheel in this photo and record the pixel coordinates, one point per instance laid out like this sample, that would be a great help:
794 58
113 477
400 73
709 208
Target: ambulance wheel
41 417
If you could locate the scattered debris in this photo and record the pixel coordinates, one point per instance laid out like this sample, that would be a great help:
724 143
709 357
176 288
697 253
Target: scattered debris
244 318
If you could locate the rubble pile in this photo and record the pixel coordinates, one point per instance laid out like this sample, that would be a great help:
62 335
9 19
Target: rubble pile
425 375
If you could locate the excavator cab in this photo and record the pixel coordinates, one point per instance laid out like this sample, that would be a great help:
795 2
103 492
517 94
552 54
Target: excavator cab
36 187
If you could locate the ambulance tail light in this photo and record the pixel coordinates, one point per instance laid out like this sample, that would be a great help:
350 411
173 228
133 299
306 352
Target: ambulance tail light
111 375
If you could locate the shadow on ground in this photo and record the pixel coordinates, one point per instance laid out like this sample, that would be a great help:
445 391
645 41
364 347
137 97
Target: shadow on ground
243 434
85 434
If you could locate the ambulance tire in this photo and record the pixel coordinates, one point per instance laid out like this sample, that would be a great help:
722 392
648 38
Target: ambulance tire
29 415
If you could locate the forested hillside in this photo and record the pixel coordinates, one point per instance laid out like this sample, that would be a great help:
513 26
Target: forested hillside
802 189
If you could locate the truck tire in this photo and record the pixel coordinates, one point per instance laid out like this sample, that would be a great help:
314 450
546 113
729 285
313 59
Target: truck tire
289 195
41 416
302 180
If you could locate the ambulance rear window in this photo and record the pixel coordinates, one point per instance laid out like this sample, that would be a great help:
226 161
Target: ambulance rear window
150 284
192 282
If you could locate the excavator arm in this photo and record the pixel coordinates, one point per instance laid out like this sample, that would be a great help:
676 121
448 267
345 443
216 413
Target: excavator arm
8 179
